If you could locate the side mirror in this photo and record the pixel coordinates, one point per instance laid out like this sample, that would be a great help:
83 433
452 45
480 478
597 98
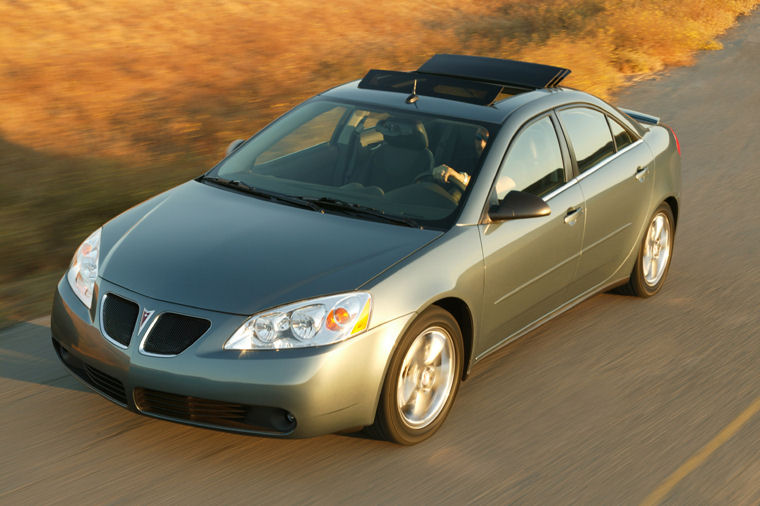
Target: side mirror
233 146
516 205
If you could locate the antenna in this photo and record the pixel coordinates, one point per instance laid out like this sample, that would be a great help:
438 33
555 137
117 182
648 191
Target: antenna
413 97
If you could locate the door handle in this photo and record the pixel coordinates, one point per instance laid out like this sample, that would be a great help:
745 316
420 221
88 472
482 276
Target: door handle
641 173
571 217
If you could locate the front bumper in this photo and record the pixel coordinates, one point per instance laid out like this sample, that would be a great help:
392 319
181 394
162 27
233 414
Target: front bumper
296 393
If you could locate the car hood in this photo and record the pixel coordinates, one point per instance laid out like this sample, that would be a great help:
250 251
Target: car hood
216 249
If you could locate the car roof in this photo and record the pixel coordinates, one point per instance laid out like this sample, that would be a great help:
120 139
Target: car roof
461 86
495 113
474 88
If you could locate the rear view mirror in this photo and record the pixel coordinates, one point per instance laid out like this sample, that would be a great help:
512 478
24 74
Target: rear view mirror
233 146
516 205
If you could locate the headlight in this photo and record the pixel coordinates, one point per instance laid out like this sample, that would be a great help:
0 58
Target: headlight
314 322
84 268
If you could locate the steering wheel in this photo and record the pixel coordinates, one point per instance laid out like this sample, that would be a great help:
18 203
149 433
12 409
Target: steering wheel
449 186
428 176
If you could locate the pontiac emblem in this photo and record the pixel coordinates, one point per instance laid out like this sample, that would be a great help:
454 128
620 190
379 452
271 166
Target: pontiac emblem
144 319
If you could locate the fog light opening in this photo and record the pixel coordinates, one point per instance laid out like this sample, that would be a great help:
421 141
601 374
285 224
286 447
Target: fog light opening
269 419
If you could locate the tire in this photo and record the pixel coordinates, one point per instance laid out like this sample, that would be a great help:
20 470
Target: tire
425 370
655 254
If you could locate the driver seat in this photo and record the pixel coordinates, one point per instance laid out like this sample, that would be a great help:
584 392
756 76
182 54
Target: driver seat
402 156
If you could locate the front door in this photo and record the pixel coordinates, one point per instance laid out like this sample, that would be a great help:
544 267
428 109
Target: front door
529 262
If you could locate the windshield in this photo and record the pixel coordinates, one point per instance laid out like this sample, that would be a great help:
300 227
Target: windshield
400 164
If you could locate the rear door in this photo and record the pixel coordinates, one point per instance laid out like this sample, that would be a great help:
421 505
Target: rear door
529 262
616 177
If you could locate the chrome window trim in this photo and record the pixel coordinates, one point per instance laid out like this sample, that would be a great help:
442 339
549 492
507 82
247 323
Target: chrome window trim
593 169
578 178
141 348
559 190
607 160
103 327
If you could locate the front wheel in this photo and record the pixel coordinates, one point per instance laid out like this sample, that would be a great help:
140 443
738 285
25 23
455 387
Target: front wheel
655 253
422 380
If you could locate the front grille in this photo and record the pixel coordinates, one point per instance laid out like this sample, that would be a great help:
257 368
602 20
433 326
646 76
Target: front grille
119 318
173 333
216 414
98 380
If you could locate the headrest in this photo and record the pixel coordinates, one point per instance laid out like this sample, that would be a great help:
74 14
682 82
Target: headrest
401 133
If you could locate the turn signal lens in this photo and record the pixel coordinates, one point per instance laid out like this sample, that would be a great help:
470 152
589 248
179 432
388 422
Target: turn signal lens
363 321
337 319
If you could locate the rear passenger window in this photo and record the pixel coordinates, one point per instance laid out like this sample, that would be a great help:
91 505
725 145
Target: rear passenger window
621 136
589 135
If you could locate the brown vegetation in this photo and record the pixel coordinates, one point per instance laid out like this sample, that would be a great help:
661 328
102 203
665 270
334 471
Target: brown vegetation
147 78
158 89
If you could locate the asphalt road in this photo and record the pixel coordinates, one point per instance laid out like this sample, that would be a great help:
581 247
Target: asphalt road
618 401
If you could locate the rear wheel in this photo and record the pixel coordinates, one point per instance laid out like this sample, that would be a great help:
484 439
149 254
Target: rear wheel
422 380
656 250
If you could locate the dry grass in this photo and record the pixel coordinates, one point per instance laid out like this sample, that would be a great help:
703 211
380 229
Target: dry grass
143 78
104 103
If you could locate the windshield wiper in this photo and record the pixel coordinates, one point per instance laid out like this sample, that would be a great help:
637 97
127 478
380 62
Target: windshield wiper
265 194
315 204
360 210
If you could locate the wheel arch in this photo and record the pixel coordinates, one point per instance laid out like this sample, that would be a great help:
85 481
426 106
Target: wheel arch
462 314
673 203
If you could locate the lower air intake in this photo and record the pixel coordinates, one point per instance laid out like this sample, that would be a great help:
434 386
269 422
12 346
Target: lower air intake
97 379
173 333
215 414
106 384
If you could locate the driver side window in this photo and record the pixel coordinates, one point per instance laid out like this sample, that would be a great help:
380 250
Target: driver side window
533 163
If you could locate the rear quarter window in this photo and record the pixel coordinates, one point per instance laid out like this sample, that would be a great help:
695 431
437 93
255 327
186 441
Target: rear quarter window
620 134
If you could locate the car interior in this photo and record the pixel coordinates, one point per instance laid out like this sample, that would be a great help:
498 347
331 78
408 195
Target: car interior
378 159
